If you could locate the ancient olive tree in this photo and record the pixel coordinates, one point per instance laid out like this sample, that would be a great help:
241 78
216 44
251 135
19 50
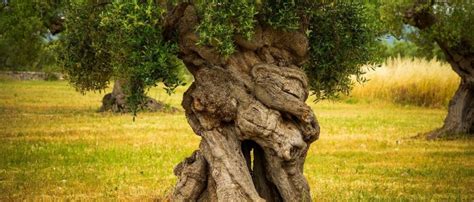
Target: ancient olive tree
254 64
449 25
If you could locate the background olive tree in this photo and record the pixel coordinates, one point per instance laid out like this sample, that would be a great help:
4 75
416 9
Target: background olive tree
447 26
120 41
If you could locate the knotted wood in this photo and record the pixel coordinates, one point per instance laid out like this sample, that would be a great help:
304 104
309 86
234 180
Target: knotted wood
250 112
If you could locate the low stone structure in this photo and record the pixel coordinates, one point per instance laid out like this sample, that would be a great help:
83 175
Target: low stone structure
17 75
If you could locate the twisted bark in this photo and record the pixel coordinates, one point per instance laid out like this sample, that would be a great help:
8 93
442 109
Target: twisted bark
460 118
250 112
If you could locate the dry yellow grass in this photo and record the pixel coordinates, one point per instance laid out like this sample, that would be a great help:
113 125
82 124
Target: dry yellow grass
420 82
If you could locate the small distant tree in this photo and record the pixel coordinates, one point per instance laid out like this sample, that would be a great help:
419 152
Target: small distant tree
448 25
254 65
119 41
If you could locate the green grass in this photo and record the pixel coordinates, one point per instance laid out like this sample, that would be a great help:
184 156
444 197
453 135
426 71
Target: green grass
53 145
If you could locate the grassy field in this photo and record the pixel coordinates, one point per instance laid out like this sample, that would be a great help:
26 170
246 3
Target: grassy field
54 145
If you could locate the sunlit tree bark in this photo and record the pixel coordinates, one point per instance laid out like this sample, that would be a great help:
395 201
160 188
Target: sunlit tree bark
249 104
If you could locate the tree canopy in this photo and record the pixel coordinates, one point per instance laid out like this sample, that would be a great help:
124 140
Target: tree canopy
425 23
128 40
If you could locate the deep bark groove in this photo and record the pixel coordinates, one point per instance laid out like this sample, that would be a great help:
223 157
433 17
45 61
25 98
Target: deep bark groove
460 118
252 102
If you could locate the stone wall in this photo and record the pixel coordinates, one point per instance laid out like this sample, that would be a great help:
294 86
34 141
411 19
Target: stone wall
32 75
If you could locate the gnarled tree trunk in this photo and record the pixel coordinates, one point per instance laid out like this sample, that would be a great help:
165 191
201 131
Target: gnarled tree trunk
250 112
116 101
460 118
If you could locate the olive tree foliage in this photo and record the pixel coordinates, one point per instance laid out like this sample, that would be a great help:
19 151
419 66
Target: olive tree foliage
450 22
86 59
121 40
125 39
24 25
342 39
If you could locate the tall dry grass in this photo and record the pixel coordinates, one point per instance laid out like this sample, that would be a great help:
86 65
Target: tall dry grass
407 81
